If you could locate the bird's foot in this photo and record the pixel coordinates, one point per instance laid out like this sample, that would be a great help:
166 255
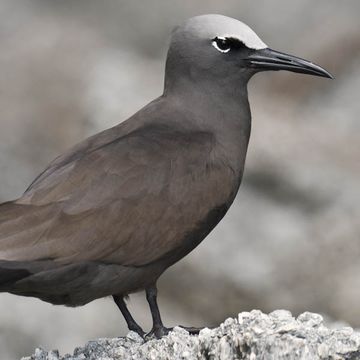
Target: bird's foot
158 332
192 330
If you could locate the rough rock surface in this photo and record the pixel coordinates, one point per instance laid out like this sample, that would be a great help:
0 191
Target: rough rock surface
253 335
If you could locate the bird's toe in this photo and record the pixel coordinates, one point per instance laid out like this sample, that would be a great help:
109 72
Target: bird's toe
192 330
157 332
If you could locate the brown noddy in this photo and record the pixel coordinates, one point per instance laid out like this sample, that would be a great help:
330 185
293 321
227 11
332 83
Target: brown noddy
107 217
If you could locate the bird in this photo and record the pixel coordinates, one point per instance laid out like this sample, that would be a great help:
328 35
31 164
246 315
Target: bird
110 215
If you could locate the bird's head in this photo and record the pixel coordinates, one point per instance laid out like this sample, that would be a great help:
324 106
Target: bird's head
219 48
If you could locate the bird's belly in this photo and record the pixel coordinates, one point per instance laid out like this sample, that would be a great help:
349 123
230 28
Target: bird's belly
80 283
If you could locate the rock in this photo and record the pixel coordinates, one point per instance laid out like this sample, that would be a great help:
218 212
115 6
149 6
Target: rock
253 335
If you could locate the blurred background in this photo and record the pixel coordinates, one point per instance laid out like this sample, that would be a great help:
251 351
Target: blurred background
292 238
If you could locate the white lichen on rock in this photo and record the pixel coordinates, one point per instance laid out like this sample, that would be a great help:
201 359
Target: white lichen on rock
253 335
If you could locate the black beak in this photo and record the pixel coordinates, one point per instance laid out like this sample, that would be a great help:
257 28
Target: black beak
268 59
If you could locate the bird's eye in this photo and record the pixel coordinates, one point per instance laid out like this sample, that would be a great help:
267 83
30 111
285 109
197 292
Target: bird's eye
221 44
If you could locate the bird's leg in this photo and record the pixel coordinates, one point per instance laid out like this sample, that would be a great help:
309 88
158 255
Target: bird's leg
158 328
131 323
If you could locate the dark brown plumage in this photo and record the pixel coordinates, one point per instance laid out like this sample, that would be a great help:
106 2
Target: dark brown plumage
110 215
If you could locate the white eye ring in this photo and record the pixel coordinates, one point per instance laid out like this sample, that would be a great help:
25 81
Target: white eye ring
216 46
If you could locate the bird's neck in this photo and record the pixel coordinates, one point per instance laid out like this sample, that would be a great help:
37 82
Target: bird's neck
222 105
221 110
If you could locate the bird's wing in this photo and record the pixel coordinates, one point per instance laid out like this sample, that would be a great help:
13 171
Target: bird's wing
127 201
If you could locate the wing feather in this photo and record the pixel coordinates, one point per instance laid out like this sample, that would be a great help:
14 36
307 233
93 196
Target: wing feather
122 198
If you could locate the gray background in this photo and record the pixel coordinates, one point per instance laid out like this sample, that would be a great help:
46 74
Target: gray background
291 240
